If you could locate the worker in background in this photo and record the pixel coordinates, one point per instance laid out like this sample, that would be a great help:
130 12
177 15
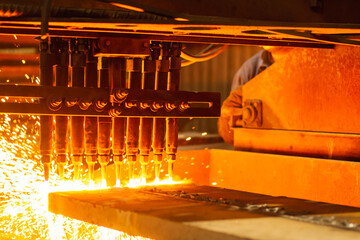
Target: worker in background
232 106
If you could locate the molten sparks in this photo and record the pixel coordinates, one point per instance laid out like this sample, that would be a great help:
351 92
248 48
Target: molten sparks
23 199
188 139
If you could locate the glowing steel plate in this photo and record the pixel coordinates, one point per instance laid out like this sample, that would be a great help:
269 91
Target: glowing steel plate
203 212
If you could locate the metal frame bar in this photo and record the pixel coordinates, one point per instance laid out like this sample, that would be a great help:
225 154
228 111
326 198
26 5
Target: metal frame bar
134 97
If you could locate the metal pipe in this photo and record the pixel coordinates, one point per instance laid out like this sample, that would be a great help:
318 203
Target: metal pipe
46 122
104 123
77 63
172 124
146 124
91 123
118 80
134 66
162 71
61 122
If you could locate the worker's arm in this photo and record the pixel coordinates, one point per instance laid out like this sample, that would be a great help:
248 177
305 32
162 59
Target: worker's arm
232 106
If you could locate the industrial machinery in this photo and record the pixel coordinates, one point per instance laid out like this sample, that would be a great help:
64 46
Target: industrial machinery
109 76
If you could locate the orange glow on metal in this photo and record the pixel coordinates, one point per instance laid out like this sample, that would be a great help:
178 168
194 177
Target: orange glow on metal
128 7
181 19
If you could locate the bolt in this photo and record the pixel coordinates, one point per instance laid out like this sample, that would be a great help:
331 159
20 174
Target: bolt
144 105
156 106
183 106
130 104
101 103
84 104
71 101
170 106
121 94
107 43
114 112
54 103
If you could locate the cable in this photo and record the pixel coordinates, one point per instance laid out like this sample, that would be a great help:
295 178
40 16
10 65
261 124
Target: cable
208 54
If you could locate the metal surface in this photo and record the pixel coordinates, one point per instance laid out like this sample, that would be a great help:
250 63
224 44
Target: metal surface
311 94
312 144
310 178
310 90
316 179
192 211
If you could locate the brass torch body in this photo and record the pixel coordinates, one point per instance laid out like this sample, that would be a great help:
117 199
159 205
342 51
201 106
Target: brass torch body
146 124
162 72
91 123
134 66
172 124
104 123
117 67
46 122
61 122
77 65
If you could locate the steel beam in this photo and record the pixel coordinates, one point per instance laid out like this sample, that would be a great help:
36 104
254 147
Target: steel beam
203 104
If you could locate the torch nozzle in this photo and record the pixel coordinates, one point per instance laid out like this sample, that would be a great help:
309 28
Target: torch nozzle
91 160
46 159
144 160
61 171
131 161
77 160
103 174
157 160
104 160
76 171
171 160
61 161
46 171
91 171
118 160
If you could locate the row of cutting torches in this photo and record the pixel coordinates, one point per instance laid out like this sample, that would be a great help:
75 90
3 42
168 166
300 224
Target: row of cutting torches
91 136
